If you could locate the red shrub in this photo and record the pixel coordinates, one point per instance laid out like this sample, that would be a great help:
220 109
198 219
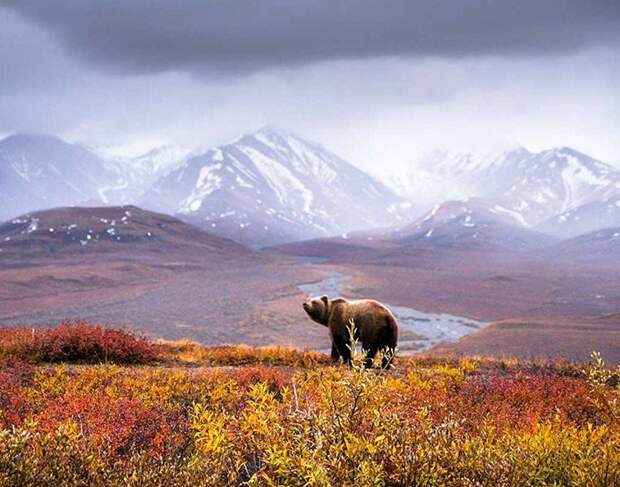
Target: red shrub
14 377
274 378
523 399
13 339
77 342
118 426
16 373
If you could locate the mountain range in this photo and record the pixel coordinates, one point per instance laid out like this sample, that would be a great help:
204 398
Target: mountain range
272 186
553 191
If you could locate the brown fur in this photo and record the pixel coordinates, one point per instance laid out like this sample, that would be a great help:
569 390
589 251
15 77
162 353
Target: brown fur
375 326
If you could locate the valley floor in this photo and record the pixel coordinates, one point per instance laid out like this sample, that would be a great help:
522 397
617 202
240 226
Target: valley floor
553 311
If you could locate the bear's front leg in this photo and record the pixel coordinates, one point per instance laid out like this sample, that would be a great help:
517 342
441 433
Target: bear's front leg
335 354
345 352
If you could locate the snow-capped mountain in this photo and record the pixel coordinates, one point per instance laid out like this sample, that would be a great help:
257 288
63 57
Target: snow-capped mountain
473 224
424 188
135 175
602 211
555 181
537 186
271 187
473 172
39 171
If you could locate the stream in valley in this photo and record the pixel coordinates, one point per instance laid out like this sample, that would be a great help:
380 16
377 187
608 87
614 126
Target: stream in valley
418 330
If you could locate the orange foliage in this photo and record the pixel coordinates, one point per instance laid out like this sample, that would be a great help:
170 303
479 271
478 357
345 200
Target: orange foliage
299 422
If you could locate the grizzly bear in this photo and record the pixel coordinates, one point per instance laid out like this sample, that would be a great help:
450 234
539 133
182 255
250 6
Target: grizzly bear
374 326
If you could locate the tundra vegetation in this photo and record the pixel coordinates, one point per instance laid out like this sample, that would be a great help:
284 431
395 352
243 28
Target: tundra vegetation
178 413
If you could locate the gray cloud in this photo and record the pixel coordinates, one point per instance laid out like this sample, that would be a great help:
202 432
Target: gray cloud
145 36
376 111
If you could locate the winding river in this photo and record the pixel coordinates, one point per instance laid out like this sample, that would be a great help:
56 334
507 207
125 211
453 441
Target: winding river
418 331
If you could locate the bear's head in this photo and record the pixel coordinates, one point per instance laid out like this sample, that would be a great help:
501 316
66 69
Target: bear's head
318 309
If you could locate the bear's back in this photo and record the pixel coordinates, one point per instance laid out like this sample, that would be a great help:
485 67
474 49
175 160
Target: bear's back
363 312
367 306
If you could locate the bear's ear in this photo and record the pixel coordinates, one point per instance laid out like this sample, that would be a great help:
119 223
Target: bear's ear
325 300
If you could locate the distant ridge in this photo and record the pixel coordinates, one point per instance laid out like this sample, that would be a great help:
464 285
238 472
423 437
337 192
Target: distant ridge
273 186
539 187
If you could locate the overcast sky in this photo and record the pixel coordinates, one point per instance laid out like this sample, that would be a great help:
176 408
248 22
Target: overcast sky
378 82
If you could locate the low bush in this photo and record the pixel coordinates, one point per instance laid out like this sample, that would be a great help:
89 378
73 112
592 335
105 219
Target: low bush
279 416
77 342
235 355
444 424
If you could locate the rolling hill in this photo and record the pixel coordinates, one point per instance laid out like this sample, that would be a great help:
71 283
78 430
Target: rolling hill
74 231
132 267
471 225
600 245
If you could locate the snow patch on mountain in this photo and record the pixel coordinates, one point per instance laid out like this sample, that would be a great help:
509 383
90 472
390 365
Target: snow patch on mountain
514 214
208 181
285 185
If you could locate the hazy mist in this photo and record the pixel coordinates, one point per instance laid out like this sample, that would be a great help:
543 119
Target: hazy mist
379 83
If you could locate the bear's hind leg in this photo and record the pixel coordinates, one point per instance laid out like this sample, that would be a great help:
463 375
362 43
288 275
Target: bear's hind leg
370 355
387 355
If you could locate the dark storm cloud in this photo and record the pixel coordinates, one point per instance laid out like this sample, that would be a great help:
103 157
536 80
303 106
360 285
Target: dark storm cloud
243 35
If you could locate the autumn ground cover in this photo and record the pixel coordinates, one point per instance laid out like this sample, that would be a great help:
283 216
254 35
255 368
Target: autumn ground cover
184 414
